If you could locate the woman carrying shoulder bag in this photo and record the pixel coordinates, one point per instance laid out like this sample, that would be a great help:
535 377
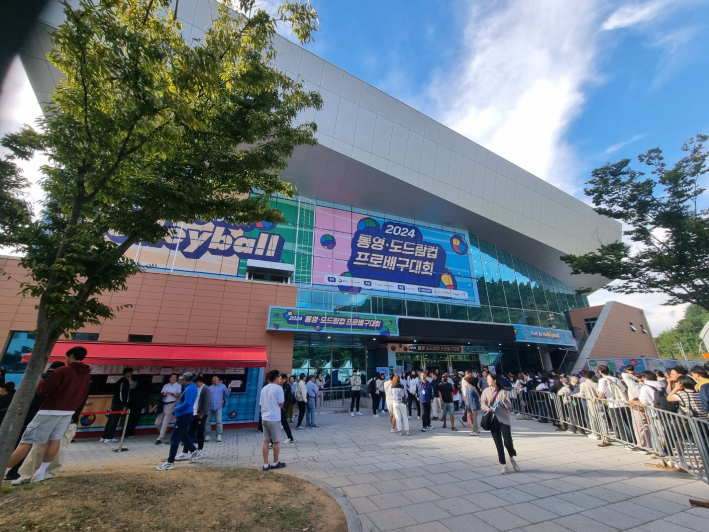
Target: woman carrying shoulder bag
497 408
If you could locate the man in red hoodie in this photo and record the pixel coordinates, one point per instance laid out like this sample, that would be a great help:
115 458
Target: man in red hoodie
64 391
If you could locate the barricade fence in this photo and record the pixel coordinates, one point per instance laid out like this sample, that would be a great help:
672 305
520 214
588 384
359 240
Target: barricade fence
682 440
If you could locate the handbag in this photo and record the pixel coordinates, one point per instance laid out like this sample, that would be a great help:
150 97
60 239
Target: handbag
489 419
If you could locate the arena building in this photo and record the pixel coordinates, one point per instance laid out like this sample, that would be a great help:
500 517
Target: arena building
408 246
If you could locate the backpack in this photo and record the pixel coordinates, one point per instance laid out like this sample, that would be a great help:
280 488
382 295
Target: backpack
531 385
661 403
372 386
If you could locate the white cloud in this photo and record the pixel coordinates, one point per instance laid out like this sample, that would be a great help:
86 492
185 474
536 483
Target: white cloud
521 78
615 147
632 14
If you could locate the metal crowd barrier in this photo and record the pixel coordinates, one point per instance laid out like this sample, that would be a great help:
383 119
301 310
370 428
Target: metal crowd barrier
682 440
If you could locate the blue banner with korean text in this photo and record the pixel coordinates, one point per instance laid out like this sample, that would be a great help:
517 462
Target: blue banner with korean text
541 335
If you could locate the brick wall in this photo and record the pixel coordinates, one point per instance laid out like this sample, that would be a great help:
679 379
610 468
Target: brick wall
174 309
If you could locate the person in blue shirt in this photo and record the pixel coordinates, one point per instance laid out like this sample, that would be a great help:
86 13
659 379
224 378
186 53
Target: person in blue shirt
217 391
312 394
425 396
184 411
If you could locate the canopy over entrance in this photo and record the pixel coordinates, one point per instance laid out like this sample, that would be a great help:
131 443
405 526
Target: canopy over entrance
178 355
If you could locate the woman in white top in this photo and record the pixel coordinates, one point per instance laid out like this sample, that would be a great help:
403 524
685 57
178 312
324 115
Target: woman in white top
397 398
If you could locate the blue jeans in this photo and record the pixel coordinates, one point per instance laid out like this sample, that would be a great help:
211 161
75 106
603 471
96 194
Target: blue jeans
217 414
310 413
180 433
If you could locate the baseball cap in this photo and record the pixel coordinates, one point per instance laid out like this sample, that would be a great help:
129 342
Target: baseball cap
187 375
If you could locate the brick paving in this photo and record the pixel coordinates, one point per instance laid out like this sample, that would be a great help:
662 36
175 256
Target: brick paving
448 481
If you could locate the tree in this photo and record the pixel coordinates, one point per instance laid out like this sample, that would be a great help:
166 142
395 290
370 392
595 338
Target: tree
687 332
665 222
146 129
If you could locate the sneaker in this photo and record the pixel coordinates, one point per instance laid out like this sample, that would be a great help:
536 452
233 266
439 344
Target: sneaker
182 457
435 418
628 447
219 438
376 415
101 440
158 441
407 433
38 477
300 428
313 426
207 438
290 441
279 465
473 433
654 456
196 455
166 466
20 481
393 430
286 441
401 433
521 418
418 417
408 417
571 431
270 445
359 413
514 464
504 470
259 431
424 429
352 414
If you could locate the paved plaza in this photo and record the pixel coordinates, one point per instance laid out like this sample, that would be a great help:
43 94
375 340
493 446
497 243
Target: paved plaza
443 481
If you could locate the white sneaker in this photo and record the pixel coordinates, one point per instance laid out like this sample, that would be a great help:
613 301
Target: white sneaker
352 414
112 440
473 433
182 457
207 438
166 466
20 481
408 417
219 437
101 440
376 415
514 464
418 417
393 430
38 477
504 470
196 455
359 413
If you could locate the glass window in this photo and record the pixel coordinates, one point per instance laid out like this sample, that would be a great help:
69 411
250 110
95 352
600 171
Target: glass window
531 318
550 292
493 278
90 337
20 344
143 338
524 284
535 278
479 314
517 316
416 309
500 315
509 281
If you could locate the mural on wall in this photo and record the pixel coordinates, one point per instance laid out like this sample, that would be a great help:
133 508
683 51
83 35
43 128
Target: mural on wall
368 254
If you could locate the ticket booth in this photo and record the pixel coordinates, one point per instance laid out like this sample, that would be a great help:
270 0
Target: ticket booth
240 368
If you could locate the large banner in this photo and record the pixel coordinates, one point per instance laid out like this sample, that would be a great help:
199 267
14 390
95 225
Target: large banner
361 253
542 335
300 319
219 248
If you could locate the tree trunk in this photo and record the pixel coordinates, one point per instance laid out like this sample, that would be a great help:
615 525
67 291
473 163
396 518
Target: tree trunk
15 417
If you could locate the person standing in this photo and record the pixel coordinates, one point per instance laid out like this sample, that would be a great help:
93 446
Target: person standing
372 388
494 399
199 418
271 402
287 400
121 396
640 424
398 406
320 382
445 393
472 404
355 386
312 389
425 393
612 390
7 392
170 394
436 403
301 396
381 394
291 408
412 383
184 412
217 392
64 391
390 401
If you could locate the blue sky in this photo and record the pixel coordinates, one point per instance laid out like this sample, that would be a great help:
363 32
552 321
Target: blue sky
557 87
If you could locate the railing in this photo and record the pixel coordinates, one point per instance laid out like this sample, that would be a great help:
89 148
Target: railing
332 397
682 441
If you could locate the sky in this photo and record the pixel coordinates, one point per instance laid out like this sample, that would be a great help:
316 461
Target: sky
558 88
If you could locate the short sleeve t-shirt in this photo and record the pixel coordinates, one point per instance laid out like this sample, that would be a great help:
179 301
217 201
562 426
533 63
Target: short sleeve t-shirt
171 388
387 391
446 391
271 397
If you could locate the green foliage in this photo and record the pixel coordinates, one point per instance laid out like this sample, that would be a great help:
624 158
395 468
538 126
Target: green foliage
146 128
663 220
687 331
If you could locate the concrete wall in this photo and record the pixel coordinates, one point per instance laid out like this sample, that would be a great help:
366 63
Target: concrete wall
174 309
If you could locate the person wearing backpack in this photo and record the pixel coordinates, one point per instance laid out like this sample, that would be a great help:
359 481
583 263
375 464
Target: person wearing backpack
612 390
652 394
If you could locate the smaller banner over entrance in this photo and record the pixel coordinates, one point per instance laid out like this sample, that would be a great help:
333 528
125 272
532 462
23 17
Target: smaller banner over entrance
299 319
541 335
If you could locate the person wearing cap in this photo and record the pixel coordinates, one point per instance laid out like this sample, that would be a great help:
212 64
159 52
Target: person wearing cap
184 412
